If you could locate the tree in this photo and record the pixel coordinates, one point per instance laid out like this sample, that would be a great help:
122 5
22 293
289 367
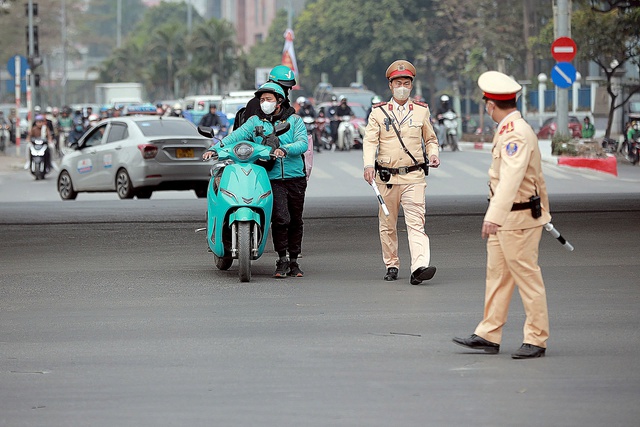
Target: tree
167 49
611 40
214 51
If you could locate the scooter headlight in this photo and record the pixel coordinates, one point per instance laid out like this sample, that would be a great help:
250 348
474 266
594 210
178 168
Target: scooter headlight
243 151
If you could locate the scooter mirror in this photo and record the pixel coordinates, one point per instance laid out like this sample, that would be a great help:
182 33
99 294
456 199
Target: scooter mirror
282 128
205 131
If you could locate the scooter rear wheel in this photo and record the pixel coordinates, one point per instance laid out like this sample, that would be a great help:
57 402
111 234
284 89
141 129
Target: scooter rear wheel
244 251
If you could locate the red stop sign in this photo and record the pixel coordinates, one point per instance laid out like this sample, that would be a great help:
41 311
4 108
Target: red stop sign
563 49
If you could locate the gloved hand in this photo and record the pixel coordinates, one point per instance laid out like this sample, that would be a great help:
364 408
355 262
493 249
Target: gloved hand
272 141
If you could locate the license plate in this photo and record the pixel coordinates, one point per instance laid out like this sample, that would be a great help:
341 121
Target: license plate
183 153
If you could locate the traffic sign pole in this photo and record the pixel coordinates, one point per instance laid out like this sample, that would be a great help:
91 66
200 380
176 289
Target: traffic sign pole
562 99
17 130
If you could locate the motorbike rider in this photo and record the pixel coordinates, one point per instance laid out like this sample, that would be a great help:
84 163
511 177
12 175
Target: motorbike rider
4 126
287 175
211 119
176 110
284 77
374 100
306 109
77 131
445 106
39 130
65 122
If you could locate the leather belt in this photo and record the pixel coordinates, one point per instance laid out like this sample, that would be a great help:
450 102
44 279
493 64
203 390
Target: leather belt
521 206
403 170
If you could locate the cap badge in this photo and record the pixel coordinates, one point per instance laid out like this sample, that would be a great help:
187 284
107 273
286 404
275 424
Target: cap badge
401 67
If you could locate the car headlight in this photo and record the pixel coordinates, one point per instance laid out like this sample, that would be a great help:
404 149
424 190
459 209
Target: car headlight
243 151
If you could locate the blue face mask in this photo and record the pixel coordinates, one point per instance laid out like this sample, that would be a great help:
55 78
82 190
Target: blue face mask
79 128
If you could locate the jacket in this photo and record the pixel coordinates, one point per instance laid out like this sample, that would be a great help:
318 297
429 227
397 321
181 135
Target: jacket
515 175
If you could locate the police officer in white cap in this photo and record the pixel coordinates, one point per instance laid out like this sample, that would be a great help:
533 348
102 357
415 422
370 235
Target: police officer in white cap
398 145
518 210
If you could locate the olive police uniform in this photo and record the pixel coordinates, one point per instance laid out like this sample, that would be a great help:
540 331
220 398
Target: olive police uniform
515 176
407 184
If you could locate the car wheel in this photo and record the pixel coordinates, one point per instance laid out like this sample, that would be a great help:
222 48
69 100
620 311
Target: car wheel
144 193
65 187
124 188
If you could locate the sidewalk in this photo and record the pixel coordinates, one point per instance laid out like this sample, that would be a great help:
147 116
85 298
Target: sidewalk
9 162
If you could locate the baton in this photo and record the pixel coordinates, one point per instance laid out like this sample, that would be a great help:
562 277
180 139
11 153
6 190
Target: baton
555 233
382 204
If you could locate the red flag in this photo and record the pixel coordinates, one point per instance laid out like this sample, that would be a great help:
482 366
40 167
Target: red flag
289 54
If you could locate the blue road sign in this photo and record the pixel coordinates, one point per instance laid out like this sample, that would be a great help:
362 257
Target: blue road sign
11 86
11 66
563 75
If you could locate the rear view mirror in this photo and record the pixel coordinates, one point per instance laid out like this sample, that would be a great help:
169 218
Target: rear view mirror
206 131
281 128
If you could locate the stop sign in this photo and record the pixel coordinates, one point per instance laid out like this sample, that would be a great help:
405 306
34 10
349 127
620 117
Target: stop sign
563 49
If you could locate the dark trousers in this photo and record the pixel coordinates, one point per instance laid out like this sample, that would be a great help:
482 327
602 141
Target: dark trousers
286 219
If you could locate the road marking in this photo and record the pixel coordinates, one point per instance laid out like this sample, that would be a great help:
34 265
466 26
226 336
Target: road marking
553 172
439 173
354 171
317 173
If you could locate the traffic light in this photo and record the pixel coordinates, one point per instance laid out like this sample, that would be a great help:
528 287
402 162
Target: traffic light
36 80
34 60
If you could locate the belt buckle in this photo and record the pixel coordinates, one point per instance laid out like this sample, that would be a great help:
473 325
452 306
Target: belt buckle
403 170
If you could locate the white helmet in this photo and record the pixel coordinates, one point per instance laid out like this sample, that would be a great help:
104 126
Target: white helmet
444 98
301 100
177 106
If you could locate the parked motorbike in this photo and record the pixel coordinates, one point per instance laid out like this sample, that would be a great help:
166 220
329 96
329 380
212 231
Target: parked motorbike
346 133
39 155
634 151
239 202
450 123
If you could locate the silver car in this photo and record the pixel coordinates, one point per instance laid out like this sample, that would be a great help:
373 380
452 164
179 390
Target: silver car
135 156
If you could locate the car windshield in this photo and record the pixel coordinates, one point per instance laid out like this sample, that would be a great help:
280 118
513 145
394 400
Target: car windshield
166 128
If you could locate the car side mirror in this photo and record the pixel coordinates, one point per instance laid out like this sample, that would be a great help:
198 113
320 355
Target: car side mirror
282 128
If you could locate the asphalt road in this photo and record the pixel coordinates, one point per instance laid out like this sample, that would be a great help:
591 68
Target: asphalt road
111 313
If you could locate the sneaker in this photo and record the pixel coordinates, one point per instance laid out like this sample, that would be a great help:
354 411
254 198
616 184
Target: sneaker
282 266
294 270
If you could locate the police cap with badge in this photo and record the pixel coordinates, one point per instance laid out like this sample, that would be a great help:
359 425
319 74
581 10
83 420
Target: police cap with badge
401 68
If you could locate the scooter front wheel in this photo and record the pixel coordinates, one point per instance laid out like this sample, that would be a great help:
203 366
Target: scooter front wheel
244 251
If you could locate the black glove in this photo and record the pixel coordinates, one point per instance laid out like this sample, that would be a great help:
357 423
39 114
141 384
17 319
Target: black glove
272 141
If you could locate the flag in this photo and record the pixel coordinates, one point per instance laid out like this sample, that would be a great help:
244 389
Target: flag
289 54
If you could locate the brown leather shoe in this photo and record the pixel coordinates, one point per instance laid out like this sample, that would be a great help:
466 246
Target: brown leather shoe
528 351
475 342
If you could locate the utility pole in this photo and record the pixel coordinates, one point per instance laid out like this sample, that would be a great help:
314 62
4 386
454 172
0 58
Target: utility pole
64 53
290 15
119 24
33 62
562 95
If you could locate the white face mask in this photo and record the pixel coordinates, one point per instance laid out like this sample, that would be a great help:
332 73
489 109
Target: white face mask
401 93
268 107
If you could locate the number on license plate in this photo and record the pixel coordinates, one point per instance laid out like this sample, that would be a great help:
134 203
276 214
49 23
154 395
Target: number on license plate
183 153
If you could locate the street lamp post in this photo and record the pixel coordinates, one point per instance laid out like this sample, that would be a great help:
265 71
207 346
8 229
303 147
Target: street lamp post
542 87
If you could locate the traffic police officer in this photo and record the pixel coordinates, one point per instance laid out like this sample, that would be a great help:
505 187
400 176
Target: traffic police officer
399 144
518 210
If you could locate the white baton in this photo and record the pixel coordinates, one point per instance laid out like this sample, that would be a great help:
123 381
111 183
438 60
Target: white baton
382 204
555 233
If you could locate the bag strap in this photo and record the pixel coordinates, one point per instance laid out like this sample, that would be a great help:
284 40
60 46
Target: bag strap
415 162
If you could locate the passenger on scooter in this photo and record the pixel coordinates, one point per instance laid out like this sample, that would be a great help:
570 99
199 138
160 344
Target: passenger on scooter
287 174
284 77
41 131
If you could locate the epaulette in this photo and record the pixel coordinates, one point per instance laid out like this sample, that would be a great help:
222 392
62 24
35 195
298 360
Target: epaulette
422 104
379 104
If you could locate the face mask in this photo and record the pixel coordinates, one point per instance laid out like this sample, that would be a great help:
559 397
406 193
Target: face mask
268 107
401 93
486 108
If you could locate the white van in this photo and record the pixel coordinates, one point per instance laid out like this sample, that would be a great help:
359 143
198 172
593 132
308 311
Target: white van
234 101
198 105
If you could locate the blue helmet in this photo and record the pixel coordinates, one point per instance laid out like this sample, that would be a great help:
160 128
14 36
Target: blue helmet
271 88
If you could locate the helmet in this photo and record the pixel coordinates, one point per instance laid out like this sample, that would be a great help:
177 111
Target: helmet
177 106
334 98
444 98
343 98
37 109
376 99
301 100
270 88
93 118
49 110
56 110
39 118
282 75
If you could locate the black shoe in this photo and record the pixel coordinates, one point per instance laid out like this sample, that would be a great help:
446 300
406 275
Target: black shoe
422 273
392 274
282 266
294 270
528 351
478 343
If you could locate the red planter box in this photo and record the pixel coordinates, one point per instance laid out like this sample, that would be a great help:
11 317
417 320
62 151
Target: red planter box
608 165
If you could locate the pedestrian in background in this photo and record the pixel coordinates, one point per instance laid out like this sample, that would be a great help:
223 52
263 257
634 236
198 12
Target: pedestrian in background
518 209
588 129
399 144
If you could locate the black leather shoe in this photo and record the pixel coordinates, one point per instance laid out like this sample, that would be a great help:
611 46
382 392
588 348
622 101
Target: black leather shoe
422 273
528 351
392 274
478 343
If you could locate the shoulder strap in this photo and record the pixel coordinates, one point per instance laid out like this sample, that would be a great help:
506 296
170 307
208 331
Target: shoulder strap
415 162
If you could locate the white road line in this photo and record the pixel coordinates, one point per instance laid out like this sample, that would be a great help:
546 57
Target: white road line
317 173
477 173
439 173
350 169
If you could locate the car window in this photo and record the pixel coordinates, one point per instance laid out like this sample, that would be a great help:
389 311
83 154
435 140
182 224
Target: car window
94 136
118 132
167 128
